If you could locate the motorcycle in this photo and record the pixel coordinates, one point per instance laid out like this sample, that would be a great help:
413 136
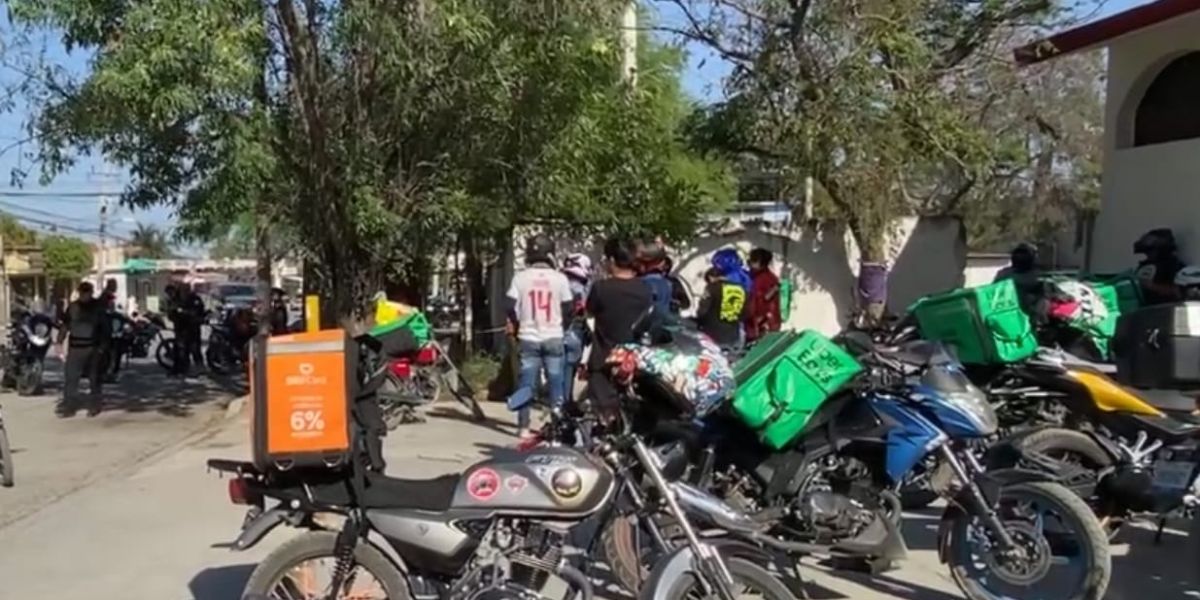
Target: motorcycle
497 531
412 381
228 349
832 491
22 360
1131 454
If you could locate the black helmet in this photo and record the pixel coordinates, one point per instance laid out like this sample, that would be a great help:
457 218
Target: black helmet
539 248
1155 241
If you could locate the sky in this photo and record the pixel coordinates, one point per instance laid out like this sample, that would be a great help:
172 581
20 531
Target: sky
53 205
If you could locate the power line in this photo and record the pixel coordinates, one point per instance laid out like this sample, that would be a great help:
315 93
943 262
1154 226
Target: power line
63 195
64 227
44 213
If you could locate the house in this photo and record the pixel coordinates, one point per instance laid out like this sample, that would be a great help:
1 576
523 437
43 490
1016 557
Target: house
1151 129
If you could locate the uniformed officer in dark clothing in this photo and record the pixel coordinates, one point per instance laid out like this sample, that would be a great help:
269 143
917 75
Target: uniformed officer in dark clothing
85 326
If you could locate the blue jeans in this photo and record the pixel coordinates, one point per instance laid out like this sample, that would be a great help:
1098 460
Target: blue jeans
573 344
536 358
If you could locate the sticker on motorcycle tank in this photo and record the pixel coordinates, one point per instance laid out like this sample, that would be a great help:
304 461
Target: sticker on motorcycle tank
483 484
516 484
566 483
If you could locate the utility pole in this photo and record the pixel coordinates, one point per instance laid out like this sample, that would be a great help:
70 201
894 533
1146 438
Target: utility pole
5 312
629 42
105 178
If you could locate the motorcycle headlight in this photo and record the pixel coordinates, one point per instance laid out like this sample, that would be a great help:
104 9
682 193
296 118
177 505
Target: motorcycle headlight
974 404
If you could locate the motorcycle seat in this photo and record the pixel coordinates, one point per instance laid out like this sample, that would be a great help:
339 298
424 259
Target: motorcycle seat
1171 401
418 494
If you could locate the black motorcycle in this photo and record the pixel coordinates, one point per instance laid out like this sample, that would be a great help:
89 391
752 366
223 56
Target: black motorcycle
22 360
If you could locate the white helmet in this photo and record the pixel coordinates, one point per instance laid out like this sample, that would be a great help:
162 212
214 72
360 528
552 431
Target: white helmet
578 266
1188 278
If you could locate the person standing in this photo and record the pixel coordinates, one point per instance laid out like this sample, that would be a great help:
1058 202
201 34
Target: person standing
539 300
1025 275
194 306
85 325
721 311
680 299
616 303
1156 273
578 269
764 296
177 313
652 267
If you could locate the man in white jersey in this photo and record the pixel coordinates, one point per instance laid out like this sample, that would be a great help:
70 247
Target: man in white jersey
538 302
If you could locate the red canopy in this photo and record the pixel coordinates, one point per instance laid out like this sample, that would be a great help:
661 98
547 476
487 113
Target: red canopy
1099 32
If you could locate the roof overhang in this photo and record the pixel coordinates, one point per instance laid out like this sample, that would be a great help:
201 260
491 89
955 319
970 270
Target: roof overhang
1100 33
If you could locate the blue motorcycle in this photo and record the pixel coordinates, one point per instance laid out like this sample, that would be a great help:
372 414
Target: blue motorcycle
1005 535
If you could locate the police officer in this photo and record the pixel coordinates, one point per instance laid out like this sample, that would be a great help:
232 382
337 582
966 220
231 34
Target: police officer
80 339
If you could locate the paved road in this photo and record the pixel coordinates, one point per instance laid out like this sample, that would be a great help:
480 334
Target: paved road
145 413
149 533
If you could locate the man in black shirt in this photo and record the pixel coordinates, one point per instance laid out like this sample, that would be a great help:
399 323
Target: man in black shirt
616 303
722 310
85 326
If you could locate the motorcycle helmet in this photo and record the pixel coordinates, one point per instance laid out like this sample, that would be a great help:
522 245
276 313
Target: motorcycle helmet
1188 280
539 248
1024 256
578 266
1155 241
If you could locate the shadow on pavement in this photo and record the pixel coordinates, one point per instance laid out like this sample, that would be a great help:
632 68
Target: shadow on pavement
143 386
220 583
455 413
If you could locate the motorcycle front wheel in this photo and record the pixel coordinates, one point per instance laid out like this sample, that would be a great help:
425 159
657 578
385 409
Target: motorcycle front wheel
165 354
29 379
749 580
6 459
1052 528
302 568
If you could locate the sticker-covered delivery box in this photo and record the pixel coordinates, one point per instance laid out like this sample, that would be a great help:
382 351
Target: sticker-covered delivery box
302 385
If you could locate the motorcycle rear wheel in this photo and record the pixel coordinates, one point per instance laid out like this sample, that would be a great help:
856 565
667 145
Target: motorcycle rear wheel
275 570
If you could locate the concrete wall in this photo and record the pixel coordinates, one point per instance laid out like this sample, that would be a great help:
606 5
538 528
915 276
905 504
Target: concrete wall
1150 186
926 255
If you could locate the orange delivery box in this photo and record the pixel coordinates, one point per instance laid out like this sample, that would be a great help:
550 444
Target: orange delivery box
302 387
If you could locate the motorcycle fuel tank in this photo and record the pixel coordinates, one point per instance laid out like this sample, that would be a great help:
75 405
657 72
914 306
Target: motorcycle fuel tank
557 481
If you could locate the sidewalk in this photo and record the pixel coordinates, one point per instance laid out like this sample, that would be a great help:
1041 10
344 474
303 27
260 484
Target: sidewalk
145 414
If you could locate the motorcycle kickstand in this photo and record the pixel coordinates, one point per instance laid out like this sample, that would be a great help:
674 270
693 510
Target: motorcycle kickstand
1162 524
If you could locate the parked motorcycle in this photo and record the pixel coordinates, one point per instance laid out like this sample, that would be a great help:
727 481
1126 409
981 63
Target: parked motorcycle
228 349
831 491
499 530
22 359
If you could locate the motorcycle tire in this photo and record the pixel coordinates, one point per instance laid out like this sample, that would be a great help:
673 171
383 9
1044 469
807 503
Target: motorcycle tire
29 380
315 545
747 577
463 393
6 459
217 355
165 354
1068 505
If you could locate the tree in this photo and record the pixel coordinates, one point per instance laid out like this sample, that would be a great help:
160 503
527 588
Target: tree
149 241
885 103
369 130
66 257
14 233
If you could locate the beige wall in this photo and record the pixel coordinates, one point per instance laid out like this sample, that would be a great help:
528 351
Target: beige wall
926 256
1150 186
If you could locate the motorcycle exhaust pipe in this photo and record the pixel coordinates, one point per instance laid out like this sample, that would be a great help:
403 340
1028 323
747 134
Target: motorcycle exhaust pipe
576 579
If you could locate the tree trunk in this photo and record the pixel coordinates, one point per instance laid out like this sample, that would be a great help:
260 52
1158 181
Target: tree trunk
476 289
263 259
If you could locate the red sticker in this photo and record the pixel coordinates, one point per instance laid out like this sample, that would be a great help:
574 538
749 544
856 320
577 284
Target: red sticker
483 484
516 484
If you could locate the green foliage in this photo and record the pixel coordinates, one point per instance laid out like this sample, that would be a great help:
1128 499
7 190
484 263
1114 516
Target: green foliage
149 241
891 105
14 233
66 257
371 132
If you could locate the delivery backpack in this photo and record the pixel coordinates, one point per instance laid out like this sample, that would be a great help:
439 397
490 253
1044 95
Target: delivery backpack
303 388
784 379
